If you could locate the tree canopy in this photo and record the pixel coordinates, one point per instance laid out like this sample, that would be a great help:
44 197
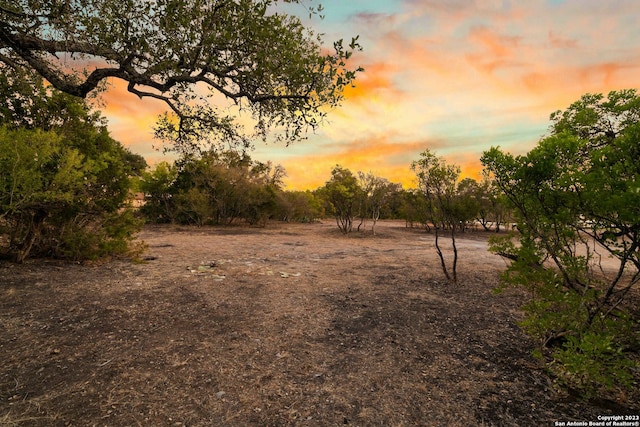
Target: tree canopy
212 188
577 197
185 54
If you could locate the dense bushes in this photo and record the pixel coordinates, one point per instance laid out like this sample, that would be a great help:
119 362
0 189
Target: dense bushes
64 182
215 188
59 199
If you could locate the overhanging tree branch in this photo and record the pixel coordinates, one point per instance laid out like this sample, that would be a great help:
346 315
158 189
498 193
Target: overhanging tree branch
163 50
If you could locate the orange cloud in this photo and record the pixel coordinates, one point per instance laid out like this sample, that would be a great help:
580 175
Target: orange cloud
496 46
470 166
381 156
607 73
131 120
455 77
122 103
377 79
564 83
559 42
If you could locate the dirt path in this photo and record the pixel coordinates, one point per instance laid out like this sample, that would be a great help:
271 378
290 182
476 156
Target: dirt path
286 325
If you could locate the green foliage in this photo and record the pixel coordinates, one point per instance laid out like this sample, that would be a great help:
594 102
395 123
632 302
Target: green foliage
51 193
188 54
375 193
414 208
450 203
61 174
577 197
213 188
592 362
348 196
342 192
299 206
468 195
483 202
100 236
157 185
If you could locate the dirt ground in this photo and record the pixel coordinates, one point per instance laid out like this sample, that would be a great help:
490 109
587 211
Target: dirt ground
285 325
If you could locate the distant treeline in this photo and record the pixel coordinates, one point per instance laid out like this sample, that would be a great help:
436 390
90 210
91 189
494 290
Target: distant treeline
230 188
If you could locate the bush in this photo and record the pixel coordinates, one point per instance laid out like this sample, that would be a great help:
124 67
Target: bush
576 198
57 201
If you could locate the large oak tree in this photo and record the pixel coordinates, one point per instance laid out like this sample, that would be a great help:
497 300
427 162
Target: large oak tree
185 54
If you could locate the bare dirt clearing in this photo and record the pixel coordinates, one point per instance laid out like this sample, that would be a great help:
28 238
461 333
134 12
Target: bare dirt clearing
285 325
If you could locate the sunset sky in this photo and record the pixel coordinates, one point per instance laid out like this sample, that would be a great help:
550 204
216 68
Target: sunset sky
454 76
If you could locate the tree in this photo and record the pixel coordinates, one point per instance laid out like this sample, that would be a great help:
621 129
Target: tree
31 104
492 208
392 208
577 197
301 206
468 202
598 120
186 54
414 208
481 202
342 192
212 188
437 180
157 186
375 193
64 182
57 199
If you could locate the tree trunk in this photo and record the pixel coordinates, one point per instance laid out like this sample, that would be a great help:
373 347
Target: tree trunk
375 217
455 256
441 256
33 233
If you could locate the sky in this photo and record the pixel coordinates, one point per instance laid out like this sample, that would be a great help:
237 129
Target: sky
453 76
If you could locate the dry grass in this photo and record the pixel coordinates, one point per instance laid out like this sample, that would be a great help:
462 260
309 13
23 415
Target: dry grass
287 325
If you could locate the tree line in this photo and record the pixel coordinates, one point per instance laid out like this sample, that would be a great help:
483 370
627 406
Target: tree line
229 187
